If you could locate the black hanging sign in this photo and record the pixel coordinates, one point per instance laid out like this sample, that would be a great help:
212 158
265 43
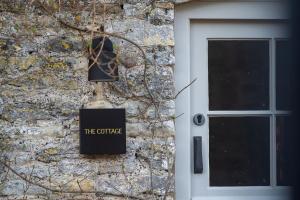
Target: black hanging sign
102 131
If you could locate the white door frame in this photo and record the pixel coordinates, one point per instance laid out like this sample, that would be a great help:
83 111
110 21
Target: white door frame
204 10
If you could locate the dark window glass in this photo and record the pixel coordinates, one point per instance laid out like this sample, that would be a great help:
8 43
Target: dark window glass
283 75
282 148
239 151
238 75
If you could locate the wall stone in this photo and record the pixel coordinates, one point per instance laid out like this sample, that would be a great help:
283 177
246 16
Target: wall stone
43 84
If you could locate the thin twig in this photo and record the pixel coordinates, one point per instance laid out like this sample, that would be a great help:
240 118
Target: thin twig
185 87
79 185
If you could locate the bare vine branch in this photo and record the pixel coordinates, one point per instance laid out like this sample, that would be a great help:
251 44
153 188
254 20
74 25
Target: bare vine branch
193 81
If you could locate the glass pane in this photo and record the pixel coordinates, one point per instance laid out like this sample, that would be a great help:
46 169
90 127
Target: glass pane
239 151
238 73
283 75
282 148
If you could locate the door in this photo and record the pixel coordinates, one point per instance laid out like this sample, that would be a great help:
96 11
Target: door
232 133
241 107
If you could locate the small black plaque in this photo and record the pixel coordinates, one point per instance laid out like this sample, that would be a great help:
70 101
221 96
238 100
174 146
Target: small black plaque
102 131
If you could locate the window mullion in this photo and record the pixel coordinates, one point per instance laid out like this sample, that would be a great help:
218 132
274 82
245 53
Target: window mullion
273 178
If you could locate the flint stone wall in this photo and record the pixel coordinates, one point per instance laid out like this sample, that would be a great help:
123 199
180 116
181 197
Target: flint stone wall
43 84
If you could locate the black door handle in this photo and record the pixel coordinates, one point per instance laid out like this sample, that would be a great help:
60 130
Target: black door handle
198 161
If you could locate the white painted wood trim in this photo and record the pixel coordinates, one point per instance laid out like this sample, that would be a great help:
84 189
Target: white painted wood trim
225 193
189 1
183 129
246 113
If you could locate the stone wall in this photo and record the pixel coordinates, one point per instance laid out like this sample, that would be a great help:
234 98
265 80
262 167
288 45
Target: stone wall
43 84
